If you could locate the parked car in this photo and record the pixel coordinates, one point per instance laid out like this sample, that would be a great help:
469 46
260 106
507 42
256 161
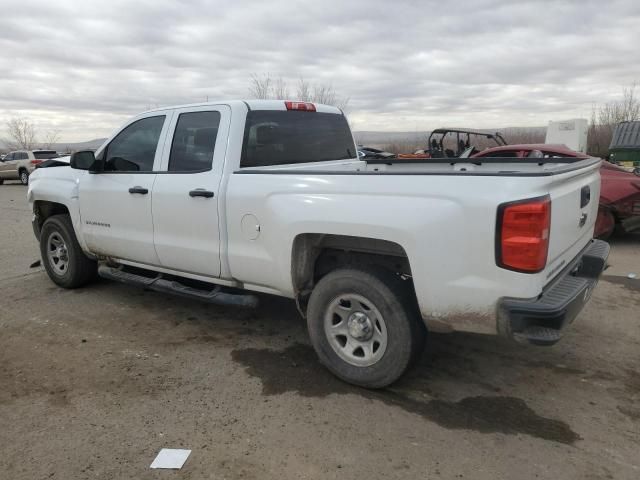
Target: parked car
370 152
619 208
214 201
19 165
62 161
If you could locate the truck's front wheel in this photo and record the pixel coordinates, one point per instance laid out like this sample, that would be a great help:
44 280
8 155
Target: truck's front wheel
364 326
63 259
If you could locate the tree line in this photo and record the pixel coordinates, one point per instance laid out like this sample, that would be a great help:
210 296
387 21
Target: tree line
22 134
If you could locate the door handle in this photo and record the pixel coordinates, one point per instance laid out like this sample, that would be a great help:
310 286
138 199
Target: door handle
140 190
200 192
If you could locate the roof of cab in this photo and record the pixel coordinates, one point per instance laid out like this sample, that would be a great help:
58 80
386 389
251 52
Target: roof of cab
251 104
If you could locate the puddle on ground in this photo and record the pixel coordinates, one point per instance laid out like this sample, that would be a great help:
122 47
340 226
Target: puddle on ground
628 283
296 369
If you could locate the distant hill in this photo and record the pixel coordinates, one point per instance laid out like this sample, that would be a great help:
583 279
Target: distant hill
69 146
403 141
380 138
407 141
74 147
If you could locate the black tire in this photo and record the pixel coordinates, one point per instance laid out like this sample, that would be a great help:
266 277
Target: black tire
24 176
1 181
394 300
80 269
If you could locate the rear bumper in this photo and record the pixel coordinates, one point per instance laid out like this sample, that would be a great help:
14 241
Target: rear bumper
541 320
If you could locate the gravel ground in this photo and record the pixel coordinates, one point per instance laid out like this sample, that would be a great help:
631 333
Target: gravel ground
93 382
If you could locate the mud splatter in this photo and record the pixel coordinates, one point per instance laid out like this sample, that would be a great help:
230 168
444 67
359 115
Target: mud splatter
297 369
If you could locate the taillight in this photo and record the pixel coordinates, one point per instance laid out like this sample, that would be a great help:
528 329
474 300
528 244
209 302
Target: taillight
522 234
303 106
35 162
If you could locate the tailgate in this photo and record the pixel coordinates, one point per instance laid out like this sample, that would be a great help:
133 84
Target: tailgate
574 207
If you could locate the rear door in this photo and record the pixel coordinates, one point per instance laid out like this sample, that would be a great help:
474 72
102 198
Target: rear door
115 204
186 194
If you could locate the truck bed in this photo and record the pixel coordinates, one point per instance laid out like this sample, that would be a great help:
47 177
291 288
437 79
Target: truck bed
443 212
521 167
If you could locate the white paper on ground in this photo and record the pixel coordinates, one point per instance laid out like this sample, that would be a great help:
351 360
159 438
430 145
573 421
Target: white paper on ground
171 458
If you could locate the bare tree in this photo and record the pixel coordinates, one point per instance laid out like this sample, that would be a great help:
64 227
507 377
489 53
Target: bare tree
280 89
22 134
604 119
50 138
260 87
325 93
626 109
518 135
264 87
303 91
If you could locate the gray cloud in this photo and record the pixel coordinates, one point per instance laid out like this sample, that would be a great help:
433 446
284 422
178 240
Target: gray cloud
85 67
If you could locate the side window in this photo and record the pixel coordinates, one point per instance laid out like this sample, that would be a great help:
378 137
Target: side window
134 148
24 156
194 141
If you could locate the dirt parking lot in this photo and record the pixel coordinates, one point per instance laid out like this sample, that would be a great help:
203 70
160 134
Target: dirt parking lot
93 382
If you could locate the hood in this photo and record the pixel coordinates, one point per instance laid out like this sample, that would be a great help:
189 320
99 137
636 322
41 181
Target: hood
617 183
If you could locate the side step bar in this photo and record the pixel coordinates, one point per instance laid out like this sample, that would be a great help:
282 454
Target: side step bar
159 284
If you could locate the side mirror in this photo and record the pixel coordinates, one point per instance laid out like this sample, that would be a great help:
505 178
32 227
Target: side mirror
82 160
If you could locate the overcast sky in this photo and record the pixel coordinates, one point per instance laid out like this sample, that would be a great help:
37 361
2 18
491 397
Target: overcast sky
83 67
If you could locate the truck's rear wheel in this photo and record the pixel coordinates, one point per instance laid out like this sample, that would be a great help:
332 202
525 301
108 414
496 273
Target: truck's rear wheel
364 326
24 177
63 259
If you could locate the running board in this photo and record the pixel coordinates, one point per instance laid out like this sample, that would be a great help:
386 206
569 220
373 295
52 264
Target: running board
160 284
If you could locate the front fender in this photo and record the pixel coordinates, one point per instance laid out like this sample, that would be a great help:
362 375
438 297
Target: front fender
60 186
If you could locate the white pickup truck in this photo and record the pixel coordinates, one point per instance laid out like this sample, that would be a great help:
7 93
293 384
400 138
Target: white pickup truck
215 201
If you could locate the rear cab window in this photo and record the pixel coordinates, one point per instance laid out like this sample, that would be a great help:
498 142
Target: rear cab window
281 137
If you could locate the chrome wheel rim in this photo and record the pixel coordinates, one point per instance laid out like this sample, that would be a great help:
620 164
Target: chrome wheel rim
57 253
24 177
355 330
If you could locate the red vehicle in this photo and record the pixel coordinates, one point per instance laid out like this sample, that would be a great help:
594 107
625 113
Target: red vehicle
619 194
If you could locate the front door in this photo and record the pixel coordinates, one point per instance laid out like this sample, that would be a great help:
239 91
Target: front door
185 198
115 204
